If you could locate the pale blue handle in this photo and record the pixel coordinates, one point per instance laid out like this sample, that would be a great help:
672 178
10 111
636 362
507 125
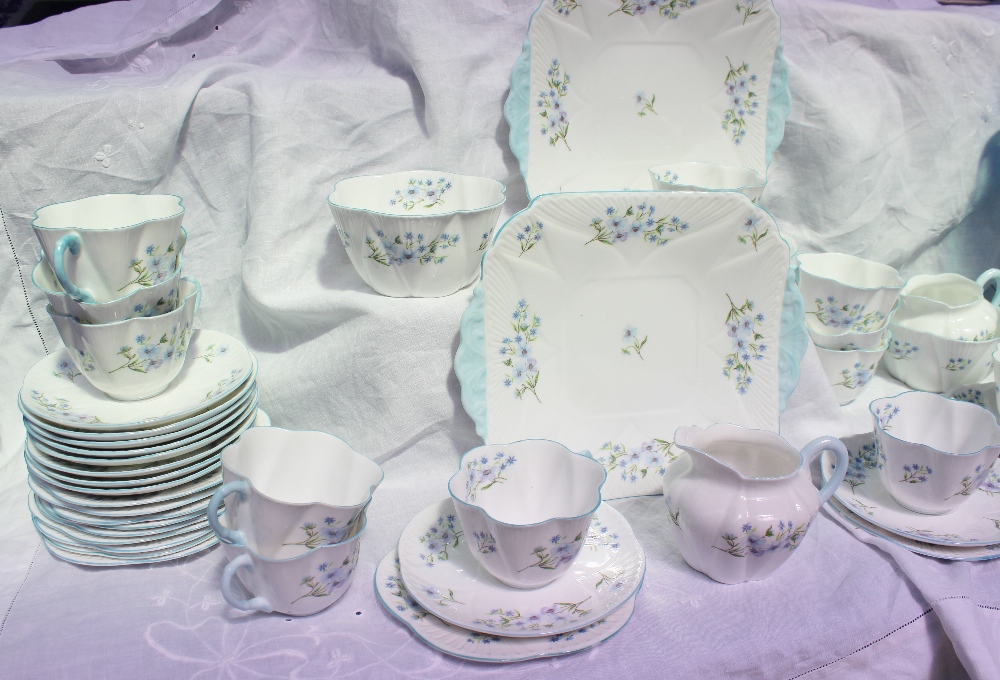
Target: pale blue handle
986 277
819 445
255 604
230 536
70 242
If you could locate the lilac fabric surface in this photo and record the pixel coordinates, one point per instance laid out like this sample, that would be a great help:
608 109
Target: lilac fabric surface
252 109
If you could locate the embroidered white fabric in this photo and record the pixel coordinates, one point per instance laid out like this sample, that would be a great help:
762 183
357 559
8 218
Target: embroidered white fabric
252 109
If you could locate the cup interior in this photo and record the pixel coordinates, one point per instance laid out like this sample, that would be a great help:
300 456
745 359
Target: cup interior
416 193
107 212
299 467
953 290
850 270
751 453
950 426
529 482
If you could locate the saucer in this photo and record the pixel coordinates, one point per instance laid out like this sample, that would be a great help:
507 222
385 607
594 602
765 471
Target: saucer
98 560
943 552
486 647
444 577
974 523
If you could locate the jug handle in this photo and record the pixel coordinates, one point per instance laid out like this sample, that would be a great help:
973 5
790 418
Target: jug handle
70 242
986 277
254 604
818 446
224 534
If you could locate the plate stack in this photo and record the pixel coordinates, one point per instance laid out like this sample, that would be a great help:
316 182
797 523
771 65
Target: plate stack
116 482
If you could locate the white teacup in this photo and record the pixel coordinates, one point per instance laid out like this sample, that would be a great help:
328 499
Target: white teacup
847 293
104 247
526 507
297 586
291 492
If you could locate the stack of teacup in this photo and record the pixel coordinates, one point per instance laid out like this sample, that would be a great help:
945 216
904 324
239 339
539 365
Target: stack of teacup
522 561
295 513
126 424
849 305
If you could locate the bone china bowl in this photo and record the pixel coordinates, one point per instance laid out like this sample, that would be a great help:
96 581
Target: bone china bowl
850 371
296 586
934 363
419 233
157 299
103 247
950 305
135 358
526 507
697 176
936 451
288 492
846 293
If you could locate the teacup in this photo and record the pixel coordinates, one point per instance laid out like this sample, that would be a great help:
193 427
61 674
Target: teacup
157 299
104 247
850 371
135 358
848 293
851 340
698 176
950 305
296 586
935 451
526 507
291 492
416 234
934 363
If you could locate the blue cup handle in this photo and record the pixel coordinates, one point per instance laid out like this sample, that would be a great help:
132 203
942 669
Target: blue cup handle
254 604
230 536
70 242
986 277
818 446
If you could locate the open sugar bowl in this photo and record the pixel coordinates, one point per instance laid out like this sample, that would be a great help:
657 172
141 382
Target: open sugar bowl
698 176
934 363
846 293
849 371
527 505
420 233
935 451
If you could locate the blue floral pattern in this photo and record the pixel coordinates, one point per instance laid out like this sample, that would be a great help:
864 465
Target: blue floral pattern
485 472
529 235
560 550
409 248
856 377
632 465
632 342
971 395
645 104
546 618
669 9
750 231
615 227
991 485
405 603
956 365
159 268
885 413
485 543
522 367
971 482
747 9
599 534
441 537
61 408
213 352
916 474
744 330
147 353
331 532
866 458
331 578
742 100
832 314
555 119
901 351
423 192
752 541
67 369
235 377
565 7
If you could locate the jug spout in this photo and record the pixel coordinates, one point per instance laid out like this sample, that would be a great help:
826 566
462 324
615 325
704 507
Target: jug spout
737 453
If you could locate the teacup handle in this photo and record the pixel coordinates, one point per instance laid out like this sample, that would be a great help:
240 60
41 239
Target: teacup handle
986 277
257 603
228 535
70 242
818 446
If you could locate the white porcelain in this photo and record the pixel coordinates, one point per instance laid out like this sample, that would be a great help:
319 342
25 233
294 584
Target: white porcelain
982 394
596 309
443 577
129 505
419 233
934 363
485 647
849 372
698 176
589 111
125 547
103 247
296 586
950 305
529 505
858 524
289 492
935 451
94 559
851 340
157 299
972 524
217 365
843 292
136 358
192 508
743 500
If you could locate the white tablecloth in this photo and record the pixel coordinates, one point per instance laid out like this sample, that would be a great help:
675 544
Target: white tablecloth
251 110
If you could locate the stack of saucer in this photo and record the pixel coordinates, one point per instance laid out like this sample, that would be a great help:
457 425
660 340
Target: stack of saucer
505 571
116 482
